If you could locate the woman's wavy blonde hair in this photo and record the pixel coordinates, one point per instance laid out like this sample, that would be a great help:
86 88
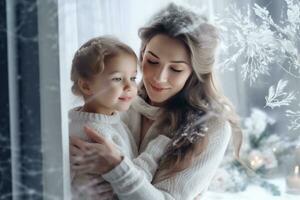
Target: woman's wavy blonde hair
200 93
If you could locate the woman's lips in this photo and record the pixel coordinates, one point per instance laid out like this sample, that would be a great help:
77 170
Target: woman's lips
157 88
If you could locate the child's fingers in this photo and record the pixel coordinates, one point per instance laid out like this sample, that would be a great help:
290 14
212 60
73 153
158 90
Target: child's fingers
106 195
99 185
100 189
101 181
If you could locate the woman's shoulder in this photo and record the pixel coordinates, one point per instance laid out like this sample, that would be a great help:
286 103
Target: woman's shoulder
213 124
219 132
209 119
218 122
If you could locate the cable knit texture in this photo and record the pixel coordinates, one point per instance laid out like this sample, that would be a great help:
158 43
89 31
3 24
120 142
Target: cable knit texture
113 128
129 183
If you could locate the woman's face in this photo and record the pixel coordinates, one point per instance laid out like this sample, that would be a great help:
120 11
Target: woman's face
166 67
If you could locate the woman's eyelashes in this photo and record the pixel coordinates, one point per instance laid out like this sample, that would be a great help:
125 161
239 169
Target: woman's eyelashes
152 62
176 70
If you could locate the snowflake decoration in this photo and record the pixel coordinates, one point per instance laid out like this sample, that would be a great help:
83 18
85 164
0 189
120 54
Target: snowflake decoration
295 119
192 130
277 97
286 36
252 46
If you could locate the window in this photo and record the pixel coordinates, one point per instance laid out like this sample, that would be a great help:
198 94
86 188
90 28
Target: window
259 70
34 161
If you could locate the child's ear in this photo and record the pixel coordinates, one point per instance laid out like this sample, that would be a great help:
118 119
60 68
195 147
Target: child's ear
85 87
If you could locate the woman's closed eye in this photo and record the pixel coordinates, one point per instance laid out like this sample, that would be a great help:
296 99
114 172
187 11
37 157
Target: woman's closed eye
152 62
176 70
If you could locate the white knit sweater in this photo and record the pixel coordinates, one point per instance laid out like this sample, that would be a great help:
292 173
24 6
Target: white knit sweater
112 128
129 183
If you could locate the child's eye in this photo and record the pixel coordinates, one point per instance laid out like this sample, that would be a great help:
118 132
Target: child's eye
133 78
152 62
117 79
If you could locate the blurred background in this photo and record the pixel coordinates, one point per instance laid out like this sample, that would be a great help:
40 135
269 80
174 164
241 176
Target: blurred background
258 67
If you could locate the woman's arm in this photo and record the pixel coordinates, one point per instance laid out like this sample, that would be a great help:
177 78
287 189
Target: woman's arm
194 180
148 160
129 183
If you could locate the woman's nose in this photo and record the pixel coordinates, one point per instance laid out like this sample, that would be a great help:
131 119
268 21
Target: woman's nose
161 74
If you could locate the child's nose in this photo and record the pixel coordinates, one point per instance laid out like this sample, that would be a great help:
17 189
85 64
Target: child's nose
128 85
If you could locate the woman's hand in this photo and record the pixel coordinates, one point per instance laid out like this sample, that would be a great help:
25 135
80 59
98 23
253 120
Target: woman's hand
94 158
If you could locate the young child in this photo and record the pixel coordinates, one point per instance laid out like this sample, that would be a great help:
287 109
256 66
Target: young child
103 73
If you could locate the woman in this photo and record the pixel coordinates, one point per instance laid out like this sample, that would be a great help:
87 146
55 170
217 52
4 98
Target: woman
178 98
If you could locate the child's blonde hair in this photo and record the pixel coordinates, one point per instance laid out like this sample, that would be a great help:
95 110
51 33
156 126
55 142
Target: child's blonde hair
90 58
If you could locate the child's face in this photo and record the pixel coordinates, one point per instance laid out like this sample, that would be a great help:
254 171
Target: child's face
114 88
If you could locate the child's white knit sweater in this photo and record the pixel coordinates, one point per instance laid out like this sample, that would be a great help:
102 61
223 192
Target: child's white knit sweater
129 183
114 129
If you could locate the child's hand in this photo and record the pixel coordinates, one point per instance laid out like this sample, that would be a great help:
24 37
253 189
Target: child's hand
100 189
96 188
97 158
